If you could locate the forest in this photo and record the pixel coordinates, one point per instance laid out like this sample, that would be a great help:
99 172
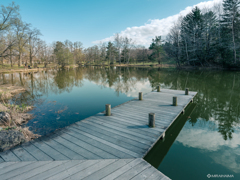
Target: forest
208 37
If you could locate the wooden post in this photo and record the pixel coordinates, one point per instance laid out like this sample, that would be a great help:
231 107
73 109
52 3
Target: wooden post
140 96
174 101
186 91
151 119
158 88
108 109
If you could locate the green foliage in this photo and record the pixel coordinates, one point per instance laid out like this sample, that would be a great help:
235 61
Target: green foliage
63 55
157 49
111 53
199 39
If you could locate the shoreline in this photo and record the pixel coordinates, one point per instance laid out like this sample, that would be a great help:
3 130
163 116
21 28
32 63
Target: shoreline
163 66
12 117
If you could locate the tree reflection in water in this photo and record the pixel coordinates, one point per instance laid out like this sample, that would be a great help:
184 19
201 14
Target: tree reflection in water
217 100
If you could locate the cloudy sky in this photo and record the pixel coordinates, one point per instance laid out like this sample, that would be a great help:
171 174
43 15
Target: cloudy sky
93 21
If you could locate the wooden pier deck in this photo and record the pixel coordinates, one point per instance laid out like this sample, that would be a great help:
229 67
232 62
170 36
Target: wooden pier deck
99 147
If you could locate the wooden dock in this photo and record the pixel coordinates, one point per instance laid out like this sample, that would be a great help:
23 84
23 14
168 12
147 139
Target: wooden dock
99 147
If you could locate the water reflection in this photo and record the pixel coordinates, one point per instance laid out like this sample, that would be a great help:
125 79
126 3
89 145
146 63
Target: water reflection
211 133
218 98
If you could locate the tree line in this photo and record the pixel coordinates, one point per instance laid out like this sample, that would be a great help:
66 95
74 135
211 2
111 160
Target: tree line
207 37
20 44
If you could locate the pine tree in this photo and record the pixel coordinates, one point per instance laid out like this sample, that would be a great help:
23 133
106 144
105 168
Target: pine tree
157 48
230 26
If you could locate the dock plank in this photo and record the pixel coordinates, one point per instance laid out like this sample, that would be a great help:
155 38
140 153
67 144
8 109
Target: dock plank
22 154
54 154
35 152
96 167
132 146
108 169
56 170
99 147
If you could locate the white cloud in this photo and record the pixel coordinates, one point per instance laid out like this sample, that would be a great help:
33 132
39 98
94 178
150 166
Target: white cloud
225 153
142 35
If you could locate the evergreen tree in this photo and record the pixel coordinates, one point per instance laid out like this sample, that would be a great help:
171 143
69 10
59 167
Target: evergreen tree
230 26
111 53
157 48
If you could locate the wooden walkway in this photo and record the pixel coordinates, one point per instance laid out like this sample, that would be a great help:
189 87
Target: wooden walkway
99 147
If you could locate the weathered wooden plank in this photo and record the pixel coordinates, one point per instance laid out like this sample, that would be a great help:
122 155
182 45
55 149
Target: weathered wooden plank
57 169
131 122
96 167
108 169
175 92
143 114
73 170
123 169
128 129
134 170
145 174
103 128
66 150
54 154
9 156
159 119
143 117
142 123
37 170
118 137
110 138
122 122
22 154
118 121
35 152
142 111
161 107
14 167
83 143
22 170
135 114
1 160
124 130
82 151
5 164
157 175
109 144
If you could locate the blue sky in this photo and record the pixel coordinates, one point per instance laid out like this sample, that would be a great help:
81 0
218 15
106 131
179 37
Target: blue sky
90 20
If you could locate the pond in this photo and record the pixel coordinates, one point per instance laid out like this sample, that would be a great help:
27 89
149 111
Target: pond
205 142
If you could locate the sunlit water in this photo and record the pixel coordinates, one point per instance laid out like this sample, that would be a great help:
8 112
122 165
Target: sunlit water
209 142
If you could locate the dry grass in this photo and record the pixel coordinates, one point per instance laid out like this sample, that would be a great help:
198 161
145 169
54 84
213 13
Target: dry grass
7 91
17 118
28 134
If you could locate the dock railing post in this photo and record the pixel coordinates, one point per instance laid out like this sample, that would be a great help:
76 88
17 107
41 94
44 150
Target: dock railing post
108 109
151 120
158 88
186 91
140 96
174 101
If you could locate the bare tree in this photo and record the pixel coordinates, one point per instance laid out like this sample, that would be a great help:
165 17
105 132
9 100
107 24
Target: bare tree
34 44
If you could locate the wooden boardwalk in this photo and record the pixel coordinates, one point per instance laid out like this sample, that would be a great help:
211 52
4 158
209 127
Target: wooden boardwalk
99 147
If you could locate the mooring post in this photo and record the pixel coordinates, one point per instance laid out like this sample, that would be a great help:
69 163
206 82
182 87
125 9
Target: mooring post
108 109
140 96
174 101
151 120
186 91
158 88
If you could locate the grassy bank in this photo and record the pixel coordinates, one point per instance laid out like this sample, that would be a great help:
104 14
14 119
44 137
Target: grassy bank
15 68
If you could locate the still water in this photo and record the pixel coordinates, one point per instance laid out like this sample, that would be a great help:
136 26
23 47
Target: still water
204 141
